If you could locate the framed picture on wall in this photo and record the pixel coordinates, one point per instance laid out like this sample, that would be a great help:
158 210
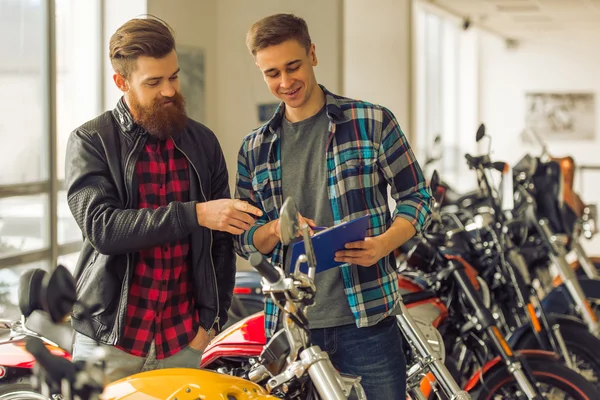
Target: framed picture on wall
192 80
561 116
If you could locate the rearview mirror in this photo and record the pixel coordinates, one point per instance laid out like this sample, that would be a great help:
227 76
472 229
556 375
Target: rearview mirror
58 294
480 133
289 223
435 181
30 287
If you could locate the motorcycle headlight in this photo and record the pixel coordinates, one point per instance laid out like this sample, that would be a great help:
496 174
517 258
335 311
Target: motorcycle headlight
433 337
589 221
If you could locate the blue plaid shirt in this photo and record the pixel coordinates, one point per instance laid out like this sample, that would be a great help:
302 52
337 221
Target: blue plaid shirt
366 153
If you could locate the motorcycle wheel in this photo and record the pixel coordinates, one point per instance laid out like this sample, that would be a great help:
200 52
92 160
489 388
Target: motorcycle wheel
583 348
555 380
19 391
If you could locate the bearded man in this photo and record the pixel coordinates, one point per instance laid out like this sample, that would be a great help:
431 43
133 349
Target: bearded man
148 187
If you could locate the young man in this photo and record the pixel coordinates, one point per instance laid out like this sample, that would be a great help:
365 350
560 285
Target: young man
149 189
336 157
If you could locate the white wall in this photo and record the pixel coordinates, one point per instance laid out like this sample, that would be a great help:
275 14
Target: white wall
561 63
116 13
195 25
377 55
240 84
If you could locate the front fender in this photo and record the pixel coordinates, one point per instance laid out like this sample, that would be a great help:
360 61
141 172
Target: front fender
491 366
559 301
591 287
522 336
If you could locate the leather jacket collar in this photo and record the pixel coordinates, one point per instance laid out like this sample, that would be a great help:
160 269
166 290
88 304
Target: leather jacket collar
122 115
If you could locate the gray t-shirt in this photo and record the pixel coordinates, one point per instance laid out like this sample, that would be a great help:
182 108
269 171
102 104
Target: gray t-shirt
304 177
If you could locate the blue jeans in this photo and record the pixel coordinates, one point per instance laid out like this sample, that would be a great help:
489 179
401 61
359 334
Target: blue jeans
375 353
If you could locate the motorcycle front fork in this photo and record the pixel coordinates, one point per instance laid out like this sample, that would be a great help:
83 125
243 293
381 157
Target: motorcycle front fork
588 266
424 360
569 278
485 322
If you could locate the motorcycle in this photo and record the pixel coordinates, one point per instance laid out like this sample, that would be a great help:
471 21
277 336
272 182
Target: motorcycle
240 350
16 363
302 372
569 220
248 297
483 361
492 244
549 240
550 222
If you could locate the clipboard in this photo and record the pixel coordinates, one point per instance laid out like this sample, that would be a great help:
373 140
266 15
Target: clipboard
329 241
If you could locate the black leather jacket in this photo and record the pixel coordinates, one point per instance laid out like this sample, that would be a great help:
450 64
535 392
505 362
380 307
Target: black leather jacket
102 196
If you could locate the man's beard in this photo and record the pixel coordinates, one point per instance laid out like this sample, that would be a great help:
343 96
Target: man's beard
160 120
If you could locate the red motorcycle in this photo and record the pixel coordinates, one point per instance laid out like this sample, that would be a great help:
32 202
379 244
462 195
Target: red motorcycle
16 363
238 346
469 355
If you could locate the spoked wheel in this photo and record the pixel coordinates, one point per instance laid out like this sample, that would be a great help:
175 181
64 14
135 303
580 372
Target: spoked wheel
583 349
556 382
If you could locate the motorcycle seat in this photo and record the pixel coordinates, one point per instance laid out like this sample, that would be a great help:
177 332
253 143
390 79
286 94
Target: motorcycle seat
62 333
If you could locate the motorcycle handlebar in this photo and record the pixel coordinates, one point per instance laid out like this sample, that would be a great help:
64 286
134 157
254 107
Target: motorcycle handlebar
265 268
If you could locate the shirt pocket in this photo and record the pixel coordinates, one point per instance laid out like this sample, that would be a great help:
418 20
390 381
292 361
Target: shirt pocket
356 164
264 194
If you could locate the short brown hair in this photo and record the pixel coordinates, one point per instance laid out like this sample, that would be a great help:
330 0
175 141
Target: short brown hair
276 29
149 36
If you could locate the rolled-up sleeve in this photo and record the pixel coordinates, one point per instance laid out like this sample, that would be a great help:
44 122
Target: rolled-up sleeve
244 244
402 171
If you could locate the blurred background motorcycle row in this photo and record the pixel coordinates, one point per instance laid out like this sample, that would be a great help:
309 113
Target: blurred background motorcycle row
497 98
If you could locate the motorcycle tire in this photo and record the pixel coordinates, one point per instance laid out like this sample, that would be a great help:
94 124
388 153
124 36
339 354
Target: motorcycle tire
583 347
19 391
553 378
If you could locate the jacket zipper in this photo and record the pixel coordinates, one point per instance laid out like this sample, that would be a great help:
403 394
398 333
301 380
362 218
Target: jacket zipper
127 175
216 288
127 199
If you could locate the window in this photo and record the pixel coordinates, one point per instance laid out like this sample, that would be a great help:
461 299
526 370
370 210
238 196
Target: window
78 87
9 285
23 224
23 89
28 235
69 261
23 162
446 96
78 66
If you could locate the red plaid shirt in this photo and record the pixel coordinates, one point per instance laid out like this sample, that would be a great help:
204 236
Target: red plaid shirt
160 306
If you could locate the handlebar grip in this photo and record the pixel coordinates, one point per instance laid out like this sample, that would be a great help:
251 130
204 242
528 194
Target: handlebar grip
57 368
265 268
